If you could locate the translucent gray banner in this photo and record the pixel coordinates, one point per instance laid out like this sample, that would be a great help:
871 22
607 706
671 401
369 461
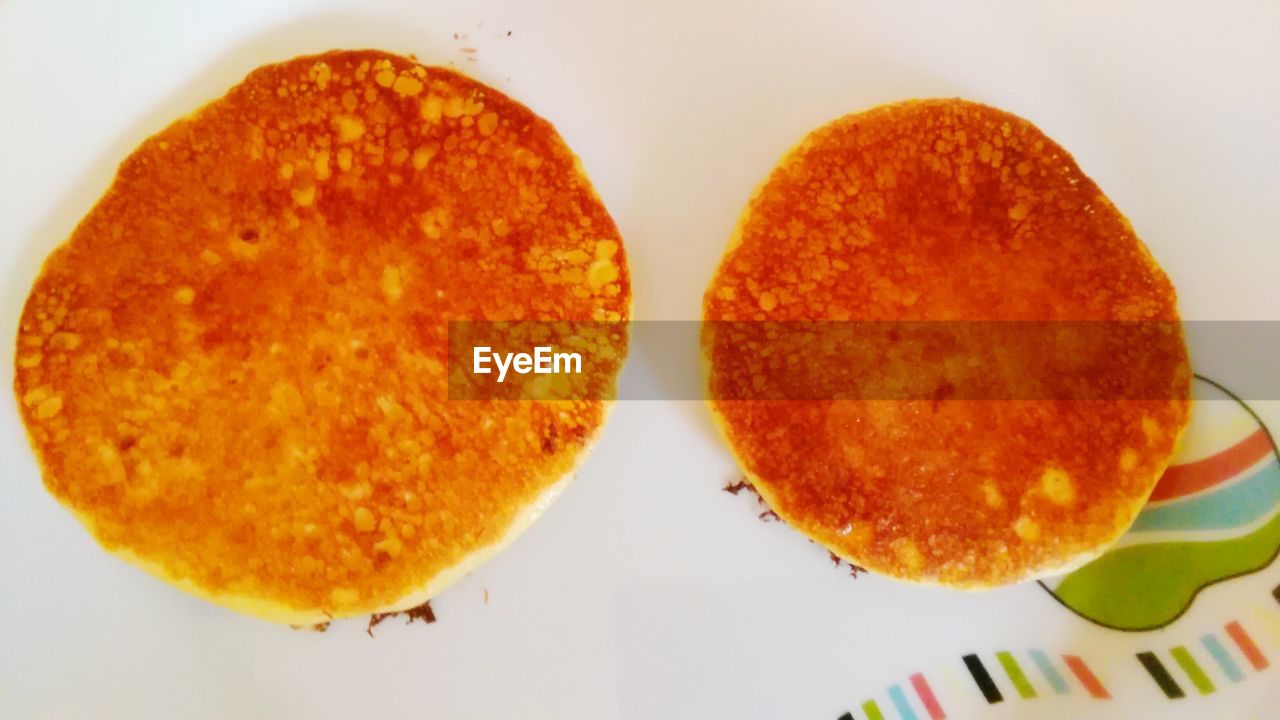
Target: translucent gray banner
862 360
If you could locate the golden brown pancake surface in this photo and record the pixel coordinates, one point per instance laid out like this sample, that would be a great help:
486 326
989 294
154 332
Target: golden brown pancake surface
234 370
941 210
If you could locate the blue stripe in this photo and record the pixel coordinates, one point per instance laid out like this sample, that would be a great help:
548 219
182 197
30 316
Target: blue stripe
1236 505
900 701
1219 653
1050 672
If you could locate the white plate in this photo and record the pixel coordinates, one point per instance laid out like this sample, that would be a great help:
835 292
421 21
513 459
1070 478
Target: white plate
646 592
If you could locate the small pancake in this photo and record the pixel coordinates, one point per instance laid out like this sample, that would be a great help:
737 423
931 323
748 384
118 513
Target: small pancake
941 210
234 371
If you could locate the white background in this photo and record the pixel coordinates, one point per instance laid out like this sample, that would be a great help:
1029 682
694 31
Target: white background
645 592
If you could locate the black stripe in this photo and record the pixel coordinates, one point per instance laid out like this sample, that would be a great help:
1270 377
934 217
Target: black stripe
983 679
846 716
1160 675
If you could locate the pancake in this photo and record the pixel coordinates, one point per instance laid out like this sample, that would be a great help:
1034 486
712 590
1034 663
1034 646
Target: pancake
950 212
234 372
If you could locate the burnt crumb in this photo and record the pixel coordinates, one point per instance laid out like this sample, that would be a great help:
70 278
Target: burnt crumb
854 570
770 516
549 439
734 488
318 627
508 33
943 392
376 620
422 612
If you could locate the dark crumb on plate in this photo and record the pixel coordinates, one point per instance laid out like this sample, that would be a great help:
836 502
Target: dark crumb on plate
423 612
737 487
375 620
854 570
769 515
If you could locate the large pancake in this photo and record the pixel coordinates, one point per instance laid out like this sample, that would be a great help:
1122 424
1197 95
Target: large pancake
942 210
234 371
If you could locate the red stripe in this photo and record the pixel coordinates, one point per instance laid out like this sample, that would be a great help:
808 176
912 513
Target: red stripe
1086 677
927 698
1180 480
1247 646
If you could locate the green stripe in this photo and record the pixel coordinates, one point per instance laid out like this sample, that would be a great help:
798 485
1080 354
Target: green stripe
1188 664
872 710
1014 671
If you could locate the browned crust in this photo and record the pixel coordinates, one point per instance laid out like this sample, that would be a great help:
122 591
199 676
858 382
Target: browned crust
233 371
943 210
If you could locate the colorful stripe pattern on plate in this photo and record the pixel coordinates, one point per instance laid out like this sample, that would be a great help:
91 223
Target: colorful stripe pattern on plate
1214 515
925 702
1176 672
1192 664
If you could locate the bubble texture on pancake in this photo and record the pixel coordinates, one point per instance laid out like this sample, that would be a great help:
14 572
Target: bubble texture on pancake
234 370
943 210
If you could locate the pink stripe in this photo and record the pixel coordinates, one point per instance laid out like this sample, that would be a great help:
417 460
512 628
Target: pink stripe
1192 477
1086 677
927 698
1247 646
